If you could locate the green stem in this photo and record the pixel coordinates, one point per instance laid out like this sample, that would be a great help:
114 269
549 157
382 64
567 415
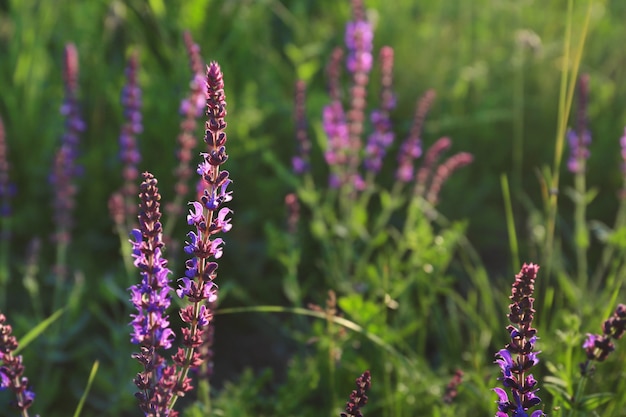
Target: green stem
568 83
580 224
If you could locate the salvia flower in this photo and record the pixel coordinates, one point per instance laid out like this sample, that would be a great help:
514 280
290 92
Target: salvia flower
579 138
427 170
12 369
359 43
300 162
358 397
598 347
129 152
208 217
151 297
7 189
452 387
444 171
158 382
382 137
191 108
519 355
65 169
411 148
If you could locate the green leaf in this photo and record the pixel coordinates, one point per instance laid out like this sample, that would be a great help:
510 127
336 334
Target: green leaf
593 401
37 330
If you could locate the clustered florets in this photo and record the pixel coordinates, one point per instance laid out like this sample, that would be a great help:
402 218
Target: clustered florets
598 347
518 356
12 369
358 397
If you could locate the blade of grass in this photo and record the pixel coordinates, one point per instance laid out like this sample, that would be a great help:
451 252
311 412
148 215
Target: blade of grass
510 222
38 330
92 376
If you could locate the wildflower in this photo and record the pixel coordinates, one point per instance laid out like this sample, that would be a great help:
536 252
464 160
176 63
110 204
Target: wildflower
452 387
359 43
209 218
129 153
519 356
158 382
12 369
383 136
65 168
428 166
191 108
598 347
443 173
7 189
358 397
300 162
579 139
151 297
411 148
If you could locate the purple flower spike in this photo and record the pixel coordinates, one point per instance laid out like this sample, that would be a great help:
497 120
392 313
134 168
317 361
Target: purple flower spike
129 153
358 397
411 149
191 108
158 383
151 296
444 171
519 356
383 136
300 162
579 139
65 168
7 189
12 369
209 217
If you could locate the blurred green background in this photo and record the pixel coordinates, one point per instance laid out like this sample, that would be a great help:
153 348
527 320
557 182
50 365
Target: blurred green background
495 65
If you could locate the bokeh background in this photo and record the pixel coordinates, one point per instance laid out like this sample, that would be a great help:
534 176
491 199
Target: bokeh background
495 65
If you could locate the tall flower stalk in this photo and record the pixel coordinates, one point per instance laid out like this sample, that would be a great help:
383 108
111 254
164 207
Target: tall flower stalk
65 169
6 193
208 216
579 140
191 108
519 355
129 151
157 382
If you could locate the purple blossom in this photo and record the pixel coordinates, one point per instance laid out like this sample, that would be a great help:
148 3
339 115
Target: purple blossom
598 347
300 162
427 170
518 356
579 139
358 397
411 148
191 108
158 383
12 369
444 171
7 189
151 296
129 152
209 217
359 41
65 169
382 137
